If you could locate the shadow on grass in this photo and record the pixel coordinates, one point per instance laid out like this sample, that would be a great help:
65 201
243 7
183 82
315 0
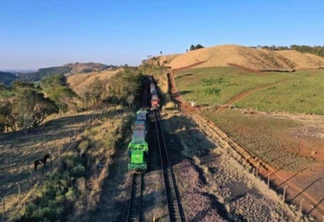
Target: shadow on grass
21 150
184 92
185 75
53 129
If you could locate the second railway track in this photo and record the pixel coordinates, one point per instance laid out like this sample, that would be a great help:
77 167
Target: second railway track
172 195
134 209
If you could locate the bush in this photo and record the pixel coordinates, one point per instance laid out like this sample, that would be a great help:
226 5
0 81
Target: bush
78 171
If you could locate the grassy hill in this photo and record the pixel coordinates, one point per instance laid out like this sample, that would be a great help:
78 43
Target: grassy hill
253 58
296 92
79 83
68 69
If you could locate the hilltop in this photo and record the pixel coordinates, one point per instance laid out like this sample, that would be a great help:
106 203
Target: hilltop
68 69
253 58
79 83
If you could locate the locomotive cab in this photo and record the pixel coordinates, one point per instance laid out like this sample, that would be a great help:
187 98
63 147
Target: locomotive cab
155 101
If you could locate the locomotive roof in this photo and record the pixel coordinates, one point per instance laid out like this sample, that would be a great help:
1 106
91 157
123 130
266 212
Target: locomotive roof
138 136
141 116
155 97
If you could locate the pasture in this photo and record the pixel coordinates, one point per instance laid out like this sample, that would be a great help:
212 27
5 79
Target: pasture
297 92
81 145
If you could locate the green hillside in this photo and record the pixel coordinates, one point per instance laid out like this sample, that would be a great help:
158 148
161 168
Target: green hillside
7 78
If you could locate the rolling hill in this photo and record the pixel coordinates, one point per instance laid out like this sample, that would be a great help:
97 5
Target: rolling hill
79 83
68 69
7 78
257 59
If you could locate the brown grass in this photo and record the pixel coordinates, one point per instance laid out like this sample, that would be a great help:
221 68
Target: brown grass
80 82
258 59
303 60
60 135
165 59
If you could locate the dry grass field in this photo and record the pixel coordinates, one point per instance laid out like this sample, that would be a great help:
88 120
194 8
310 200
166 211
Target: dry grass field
303 60
80 82
68 138
258 59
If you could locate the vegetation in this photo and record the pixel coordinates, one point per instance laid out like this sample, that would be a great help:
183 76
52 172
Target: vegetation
229 80
115 90
57 89
151 69
7 78
45 72
317 50
194 47
23 106
296 95
291 92
55 200
29 108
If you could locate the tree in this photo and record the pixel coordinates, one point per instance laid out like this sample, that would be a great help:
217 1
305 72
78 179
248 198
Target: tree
58 90
5 116
96 91
30 108
198 46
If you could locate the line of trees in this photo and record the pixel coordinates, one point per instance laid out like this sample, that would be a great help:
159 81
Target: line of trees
194 47
317 50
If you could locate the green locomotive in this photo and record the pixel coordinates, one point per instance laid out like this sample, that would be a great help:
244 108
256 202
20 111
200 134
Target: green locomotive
138 147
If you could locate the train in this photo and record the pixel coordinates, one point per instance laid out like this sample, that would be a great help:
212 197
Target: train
138 147
155 101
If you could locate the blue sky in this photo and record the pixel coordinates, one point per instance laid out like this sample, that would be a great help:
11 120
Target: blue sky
42 33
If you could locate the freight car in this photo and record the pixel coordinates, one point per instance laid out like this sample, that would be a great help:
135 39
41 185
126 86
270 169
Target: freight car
155 101
138 147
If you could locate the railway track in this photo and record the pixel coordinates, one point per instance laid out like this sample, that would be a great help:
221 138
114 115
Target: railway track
174 207
134 208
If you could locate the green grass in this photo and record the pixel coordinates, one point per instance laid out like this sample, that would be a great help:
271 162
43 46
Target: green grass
300 94
291 92
265 137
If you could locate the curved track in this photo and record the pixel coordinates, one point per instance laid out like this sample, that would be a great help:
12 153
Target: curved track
172 195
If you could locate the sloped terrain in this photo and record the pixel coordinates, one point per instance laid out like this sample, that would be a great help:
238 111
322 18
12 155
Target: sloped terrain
257 59
7 78
166 59
303 60
68 69
79 83
77 68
